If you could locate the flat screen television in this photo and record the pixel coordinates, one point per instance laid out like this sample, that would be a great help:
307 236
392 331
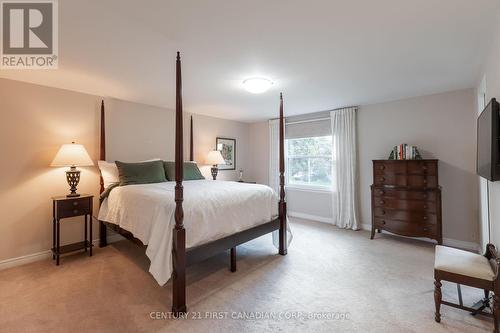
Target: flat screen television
488 154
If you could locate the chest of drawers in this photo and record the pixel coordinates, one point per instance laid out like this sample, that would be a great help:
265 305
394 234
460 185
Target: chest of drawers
406 198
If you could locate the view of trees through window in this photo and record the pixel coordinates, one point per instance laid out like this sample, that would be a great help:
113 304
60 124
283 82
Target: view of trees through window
310 161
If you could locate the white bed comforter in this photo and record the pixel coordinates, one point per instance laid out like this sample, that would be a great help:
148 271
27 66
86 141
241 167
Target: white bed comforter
212 210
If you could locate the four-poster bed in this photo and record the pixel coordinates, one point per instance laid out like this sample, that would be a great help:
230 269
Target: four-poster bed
182 255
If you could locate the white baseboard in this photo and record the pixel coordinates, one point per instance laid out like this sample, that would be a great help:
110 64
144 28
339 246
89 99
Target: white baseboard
29 258
13 262
459 244
470 246
366 226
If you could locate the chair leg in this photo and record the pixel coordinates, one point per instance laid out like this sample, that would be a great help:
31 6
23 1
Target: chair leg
233 260
486 297
437 300
496 312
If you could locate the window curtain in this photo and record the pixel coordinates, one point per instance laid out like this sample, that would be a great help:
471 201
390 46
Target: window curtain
344 172
274 173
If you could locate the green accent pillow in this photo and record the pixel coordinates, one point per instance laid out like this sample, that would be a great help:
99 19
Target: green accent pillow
191 171
141 173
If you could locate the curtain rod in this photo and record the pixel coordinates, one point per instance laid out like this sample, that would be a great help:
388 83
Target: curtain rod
306 121
309 120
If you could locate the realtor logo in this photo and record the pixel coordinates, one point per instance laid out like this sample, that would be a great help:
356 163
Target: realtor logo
29 34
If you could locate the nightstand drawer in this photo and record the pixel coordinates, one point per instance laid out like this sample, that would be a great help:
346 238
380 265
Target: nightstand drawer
73 207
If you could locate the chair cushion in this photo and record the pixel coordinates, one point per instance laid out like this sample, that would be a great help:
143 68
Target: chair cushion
463 262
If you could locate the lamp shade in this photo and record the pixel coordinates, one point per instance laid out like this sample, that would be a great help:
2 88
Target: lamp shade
72 155
214 157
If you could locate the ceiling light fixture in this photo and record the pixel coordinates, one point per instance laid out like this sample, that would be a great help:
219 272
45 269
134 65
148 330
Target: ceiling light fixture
257 85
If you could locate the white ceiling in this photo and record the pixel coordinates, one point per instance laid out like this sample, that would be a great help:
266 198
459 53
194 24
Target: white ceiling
322 54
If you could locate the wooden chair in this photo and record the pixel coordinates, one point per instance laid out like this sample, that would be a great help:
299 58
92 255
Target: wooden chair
470 269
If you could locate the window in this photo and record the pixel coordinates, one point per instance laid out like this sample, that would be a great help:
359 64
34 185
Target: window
310 161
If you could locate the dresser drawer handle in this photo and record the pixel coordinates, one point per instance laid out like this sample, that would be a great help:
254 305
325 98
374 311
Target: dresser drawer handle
75 203
425 218
425 206
382 179
426 229
382 167
382 202
425 181
424 167
425 195
381 192
382 222
75 211
383 212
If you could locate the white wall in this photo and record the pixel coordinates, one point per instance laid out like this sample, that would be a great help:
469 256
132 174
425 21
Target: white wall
259 152
316 205
491 72
484 230
441 125
36 120
136 132
206 129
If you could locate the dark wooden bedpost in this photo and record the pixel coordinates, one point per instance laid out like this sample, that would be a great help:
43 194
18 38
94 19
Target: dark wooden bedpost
282 203
103 241
179 234
191 149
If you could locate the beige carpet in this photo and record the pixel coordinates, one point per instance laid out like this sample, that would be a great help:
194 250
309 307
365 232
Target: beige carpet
384 285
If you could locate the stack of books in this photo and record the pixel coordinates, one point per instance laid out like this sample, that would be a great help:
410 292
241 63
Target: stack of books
405 152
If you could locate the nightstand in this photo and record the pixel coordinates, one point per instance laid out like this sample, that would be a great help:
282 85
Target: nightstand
64 207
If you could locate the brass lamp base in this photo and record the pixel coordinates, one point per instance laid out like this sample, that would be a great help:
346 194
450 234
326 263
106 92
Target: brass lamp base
73 178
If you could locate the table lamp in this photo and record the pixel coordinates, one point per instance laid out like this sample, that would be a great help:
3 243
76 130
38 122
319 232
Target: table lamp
214 158
72 155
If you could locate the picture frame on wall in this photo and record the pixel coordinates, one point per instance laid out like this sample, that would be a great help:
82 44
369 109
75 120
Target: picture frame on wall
227 147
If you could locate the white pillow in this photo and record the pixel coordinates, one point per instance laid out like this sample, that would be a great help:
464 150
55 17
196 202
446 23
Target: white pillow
109 172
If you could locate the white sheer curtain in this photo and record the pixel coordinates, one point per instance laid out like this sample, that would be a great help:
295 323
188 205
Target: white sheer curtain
274 175
344 198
